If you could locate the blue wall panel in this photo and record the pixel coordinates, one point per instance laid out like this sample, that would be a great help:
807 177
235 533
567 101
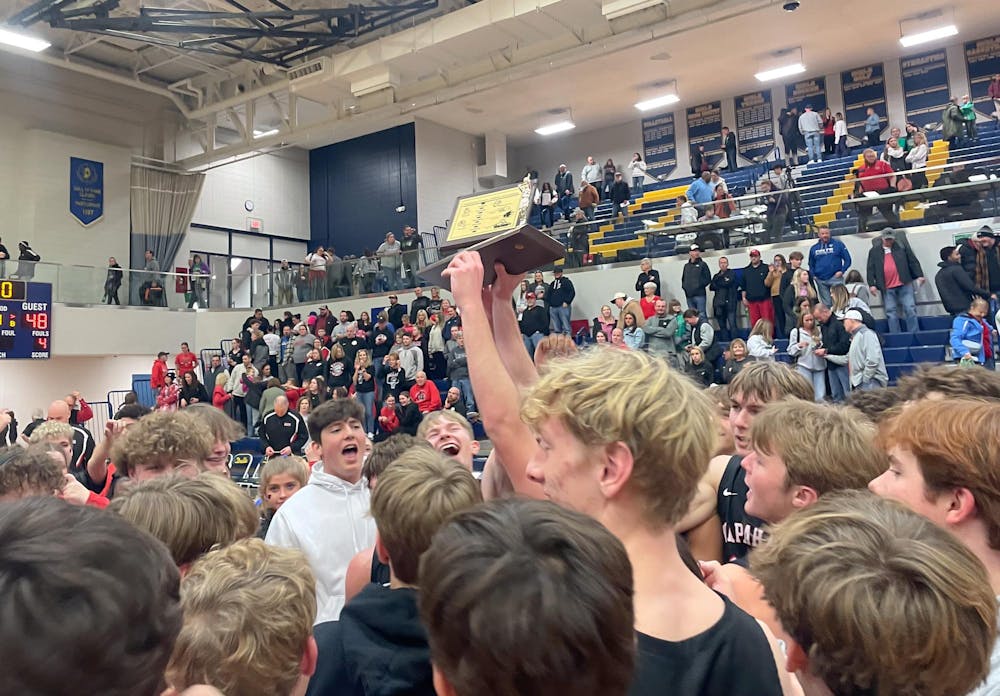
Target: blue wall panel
354 190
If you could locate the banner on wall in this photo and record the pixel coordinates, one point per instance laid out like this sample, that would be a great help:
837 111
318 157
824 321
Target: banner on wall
925 86
755 124
86 190
704 127
863 87
812 91
982 58
659 145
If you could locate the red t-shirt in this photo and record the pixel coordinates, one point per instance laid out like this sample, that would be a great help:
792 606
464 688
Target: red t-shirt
873 178
891 272
185 362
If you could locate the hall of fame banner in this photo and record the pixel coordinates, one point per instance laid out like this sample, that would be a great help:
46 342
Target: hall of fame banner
863 87
755 124
659 145
925 86
86 190
982 58
802 92
704 127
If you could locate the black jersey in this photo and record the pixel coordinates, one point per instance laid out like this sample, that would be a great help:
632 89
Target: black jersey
740 531
732 658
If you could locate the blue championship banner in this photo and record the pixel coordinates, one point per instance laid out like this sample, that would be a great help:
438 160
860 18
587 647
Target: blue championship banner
863 87
982 57
812 91
659 145
755 124
86 190
704 126
925 86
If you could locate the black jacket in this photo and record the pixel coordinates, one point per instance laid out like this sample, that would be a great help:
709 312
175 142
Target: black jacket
417 304
278 432
753 283
703 374
620 192
695 278
561 291
956 288
727 291
394 313
377 648
907 265
409 418
652 277
836 340
194 391
563 183
968 254
534 319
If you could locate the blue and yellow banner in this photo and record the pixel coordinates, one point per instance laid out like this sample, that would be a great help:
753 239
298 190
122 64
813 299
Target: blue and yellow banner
755 124
659 145
863 87
925 86
982 57
86 190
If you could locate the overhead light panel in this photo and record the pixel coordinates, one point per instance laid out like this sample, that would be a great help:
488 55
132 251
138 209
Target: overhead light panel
557 127
264 134
928 36
926 27
22 41
783 71
657 102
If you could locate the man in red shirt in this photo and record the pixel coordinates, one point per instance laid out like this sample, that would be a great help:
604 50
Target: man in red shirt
425 394
159 371
186 361
875 176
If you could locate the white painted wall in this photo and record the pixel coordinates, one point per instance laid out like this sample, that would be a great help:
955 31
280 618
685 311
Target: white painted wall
446 169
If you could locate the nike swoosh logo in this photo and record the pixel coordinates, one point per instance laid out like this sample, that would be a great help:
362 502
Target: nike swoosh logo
726 493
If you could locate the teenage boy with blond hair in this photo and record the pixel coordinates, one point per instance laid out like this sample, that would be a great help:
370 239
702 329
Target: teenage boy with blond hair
280 479
379 638
944 464
248 616
877 600
451 434
162 444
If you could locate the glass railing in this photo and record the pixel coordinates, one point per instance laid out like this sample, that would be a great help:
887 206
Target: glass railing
351 277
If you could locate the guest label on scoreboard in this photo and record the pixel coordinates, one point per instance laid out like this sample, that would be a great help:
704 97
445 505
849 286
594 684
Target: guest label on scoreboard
25 320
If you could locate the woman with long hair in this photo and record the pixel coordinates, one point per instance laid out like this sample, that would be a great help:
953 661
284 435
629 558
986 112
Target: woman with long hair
776 271
521 299
637 168
799 288
738 357
761 342
803 341
609 178
604 323
842 301
437 365
192 391
340 368
169 396
632 334
364 389
316 392
916 158
857 287
829 139
364 322
546 200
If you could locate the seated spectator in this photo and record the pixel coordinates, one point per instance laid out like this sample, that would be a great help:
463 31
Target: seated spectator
687 210
618 339
760 345
737 359
479 642
971 337
388 419
632 334
875 176
161 444
328 519
818 571
169 397
648 301
453 402
280 479
604 323
54 550
282 432
192 391
697 368
425 394
248 615
379 637
191 516
601 338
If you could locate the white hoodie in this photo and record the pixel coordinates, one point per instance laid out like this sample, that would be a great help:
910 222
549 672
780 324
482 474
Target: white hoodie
328 521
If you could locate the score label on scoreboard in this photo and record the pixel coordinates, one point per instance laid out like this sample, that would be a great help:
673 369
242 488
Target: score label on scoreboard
25 320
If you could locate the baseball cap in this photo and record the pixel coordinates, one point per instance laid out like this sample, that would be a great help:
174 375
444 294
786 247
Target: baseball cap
162 353
694 247
557 269
754 252
619 296
888 233
853 314
530 296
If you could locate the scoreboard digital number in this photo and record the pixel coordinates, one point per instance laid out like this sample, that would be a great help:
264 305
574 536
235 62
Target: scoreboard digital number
25 320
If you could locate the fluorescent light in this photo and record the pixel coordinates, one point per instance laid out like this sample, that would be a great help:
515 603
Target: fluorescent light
929 35
264 134
657 102
28 43
783 71
553 128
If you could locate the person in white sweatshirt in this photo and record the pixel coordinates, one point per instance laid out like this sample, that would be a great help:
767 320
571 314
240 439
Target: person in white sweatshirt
840 134
328 520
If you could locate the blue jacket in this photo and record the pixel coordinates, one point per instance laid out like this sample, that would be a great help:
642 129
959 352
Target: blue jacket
967 330
700 192
825 260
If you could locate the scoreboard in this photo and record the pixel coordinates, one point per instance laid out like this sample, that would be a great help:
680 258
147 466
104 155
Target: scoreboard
25 320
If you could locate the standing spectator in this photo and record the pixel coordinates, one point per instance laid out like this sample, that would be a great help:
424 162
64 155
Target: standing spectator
546 200
729 147
425 394
836 344
590 174
695 278
968 117
725 301
419 302
756 296
893 154
777 212
624 303
993 92
699 161
802 344
811 127
972 338
866 365
829 260
798 289
564 190
411 359
364 389
390 254
975 253
111 284
892 270
395 311
952 123
185 361
283 431
632 334
788 126
954 285
301 345
776 272
637 169
4 255
198 275
610 170
829 139
366 271
458 370
410 245
169 396
700 191
589 198
560 301
534 324
649 299
916 158
540 288
215 369
317 273
647 274
619 194
158 371
237 386
661 331
284 282
840 134
873 128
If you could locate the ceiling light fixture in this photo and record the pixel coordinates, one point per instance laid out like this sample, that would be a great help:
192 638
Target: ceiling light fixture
18 40
264 134
928 36
926 27
657 102
783 71
553 128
